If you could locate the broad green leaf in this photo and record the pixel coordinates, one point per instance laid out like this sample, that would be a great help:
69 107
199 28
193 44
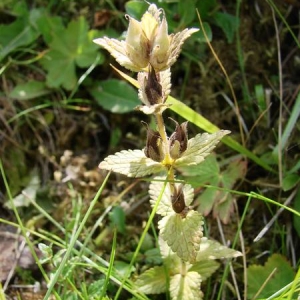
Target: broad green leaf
117 218
132 163
223 207
72 47
290 181
20 33
208 172
153 281
257 276
116 96
199 147
183 234
186 286
153 257
187 12
199 35
228 23
205 7
50 27
165 207
29 90
136 9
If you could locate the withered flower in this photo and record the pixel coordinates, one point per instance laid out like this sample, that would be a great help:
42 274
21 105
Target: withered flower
154 90
147 42
154 145
177 199
178 140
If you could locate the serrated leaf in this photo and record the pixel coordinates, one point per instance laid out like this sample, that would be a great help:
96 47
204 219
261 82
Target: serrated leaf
186 286
73 46
116 96
198 148
152 281
29 90
257 276
205 268
183 235
210 249
132 163
165 206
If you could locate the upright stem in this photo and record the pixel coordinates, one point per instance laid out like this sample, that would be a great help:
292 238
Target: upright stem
167 160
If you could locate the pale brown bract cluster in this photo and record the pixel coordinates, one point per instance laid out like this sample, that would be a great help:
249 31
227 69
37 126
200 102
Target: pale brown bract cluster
147 42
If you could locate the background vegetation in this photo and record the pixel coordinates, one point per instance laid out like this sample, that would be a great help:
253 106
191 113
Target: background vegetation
63 109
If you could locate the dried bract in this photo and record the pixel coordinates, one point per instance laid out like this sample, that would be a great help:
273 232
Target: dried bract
147 42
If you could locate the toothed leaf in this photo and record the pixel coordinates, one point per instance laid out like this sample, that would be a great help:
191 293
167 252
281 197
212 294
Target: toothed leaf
210 249
152 281
186 286
183 234
132 163
199 147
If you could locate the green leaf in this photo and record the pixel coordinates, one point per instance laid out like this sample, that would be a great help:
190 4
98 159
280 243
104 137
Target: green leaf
20 33
228 23
258 275
152 256
187 12
116 96
50 27
29 90
183 234
220 201
136 9
199 35
72 47
132 163
186 286
296 219
205 7
290 181
153 281
117 218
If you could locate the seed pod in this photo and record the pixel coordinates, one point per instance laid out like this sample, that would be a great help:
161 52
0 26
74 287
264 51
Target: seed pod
153 88
177 199
178 140
154 145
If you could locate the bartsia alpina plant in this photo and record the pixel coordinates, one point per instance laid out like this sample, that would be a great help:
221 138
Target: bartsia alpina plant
150 50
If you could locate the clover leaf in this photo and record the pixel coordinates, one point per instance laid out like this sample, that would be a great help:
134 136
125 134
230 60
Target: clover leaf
70 48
